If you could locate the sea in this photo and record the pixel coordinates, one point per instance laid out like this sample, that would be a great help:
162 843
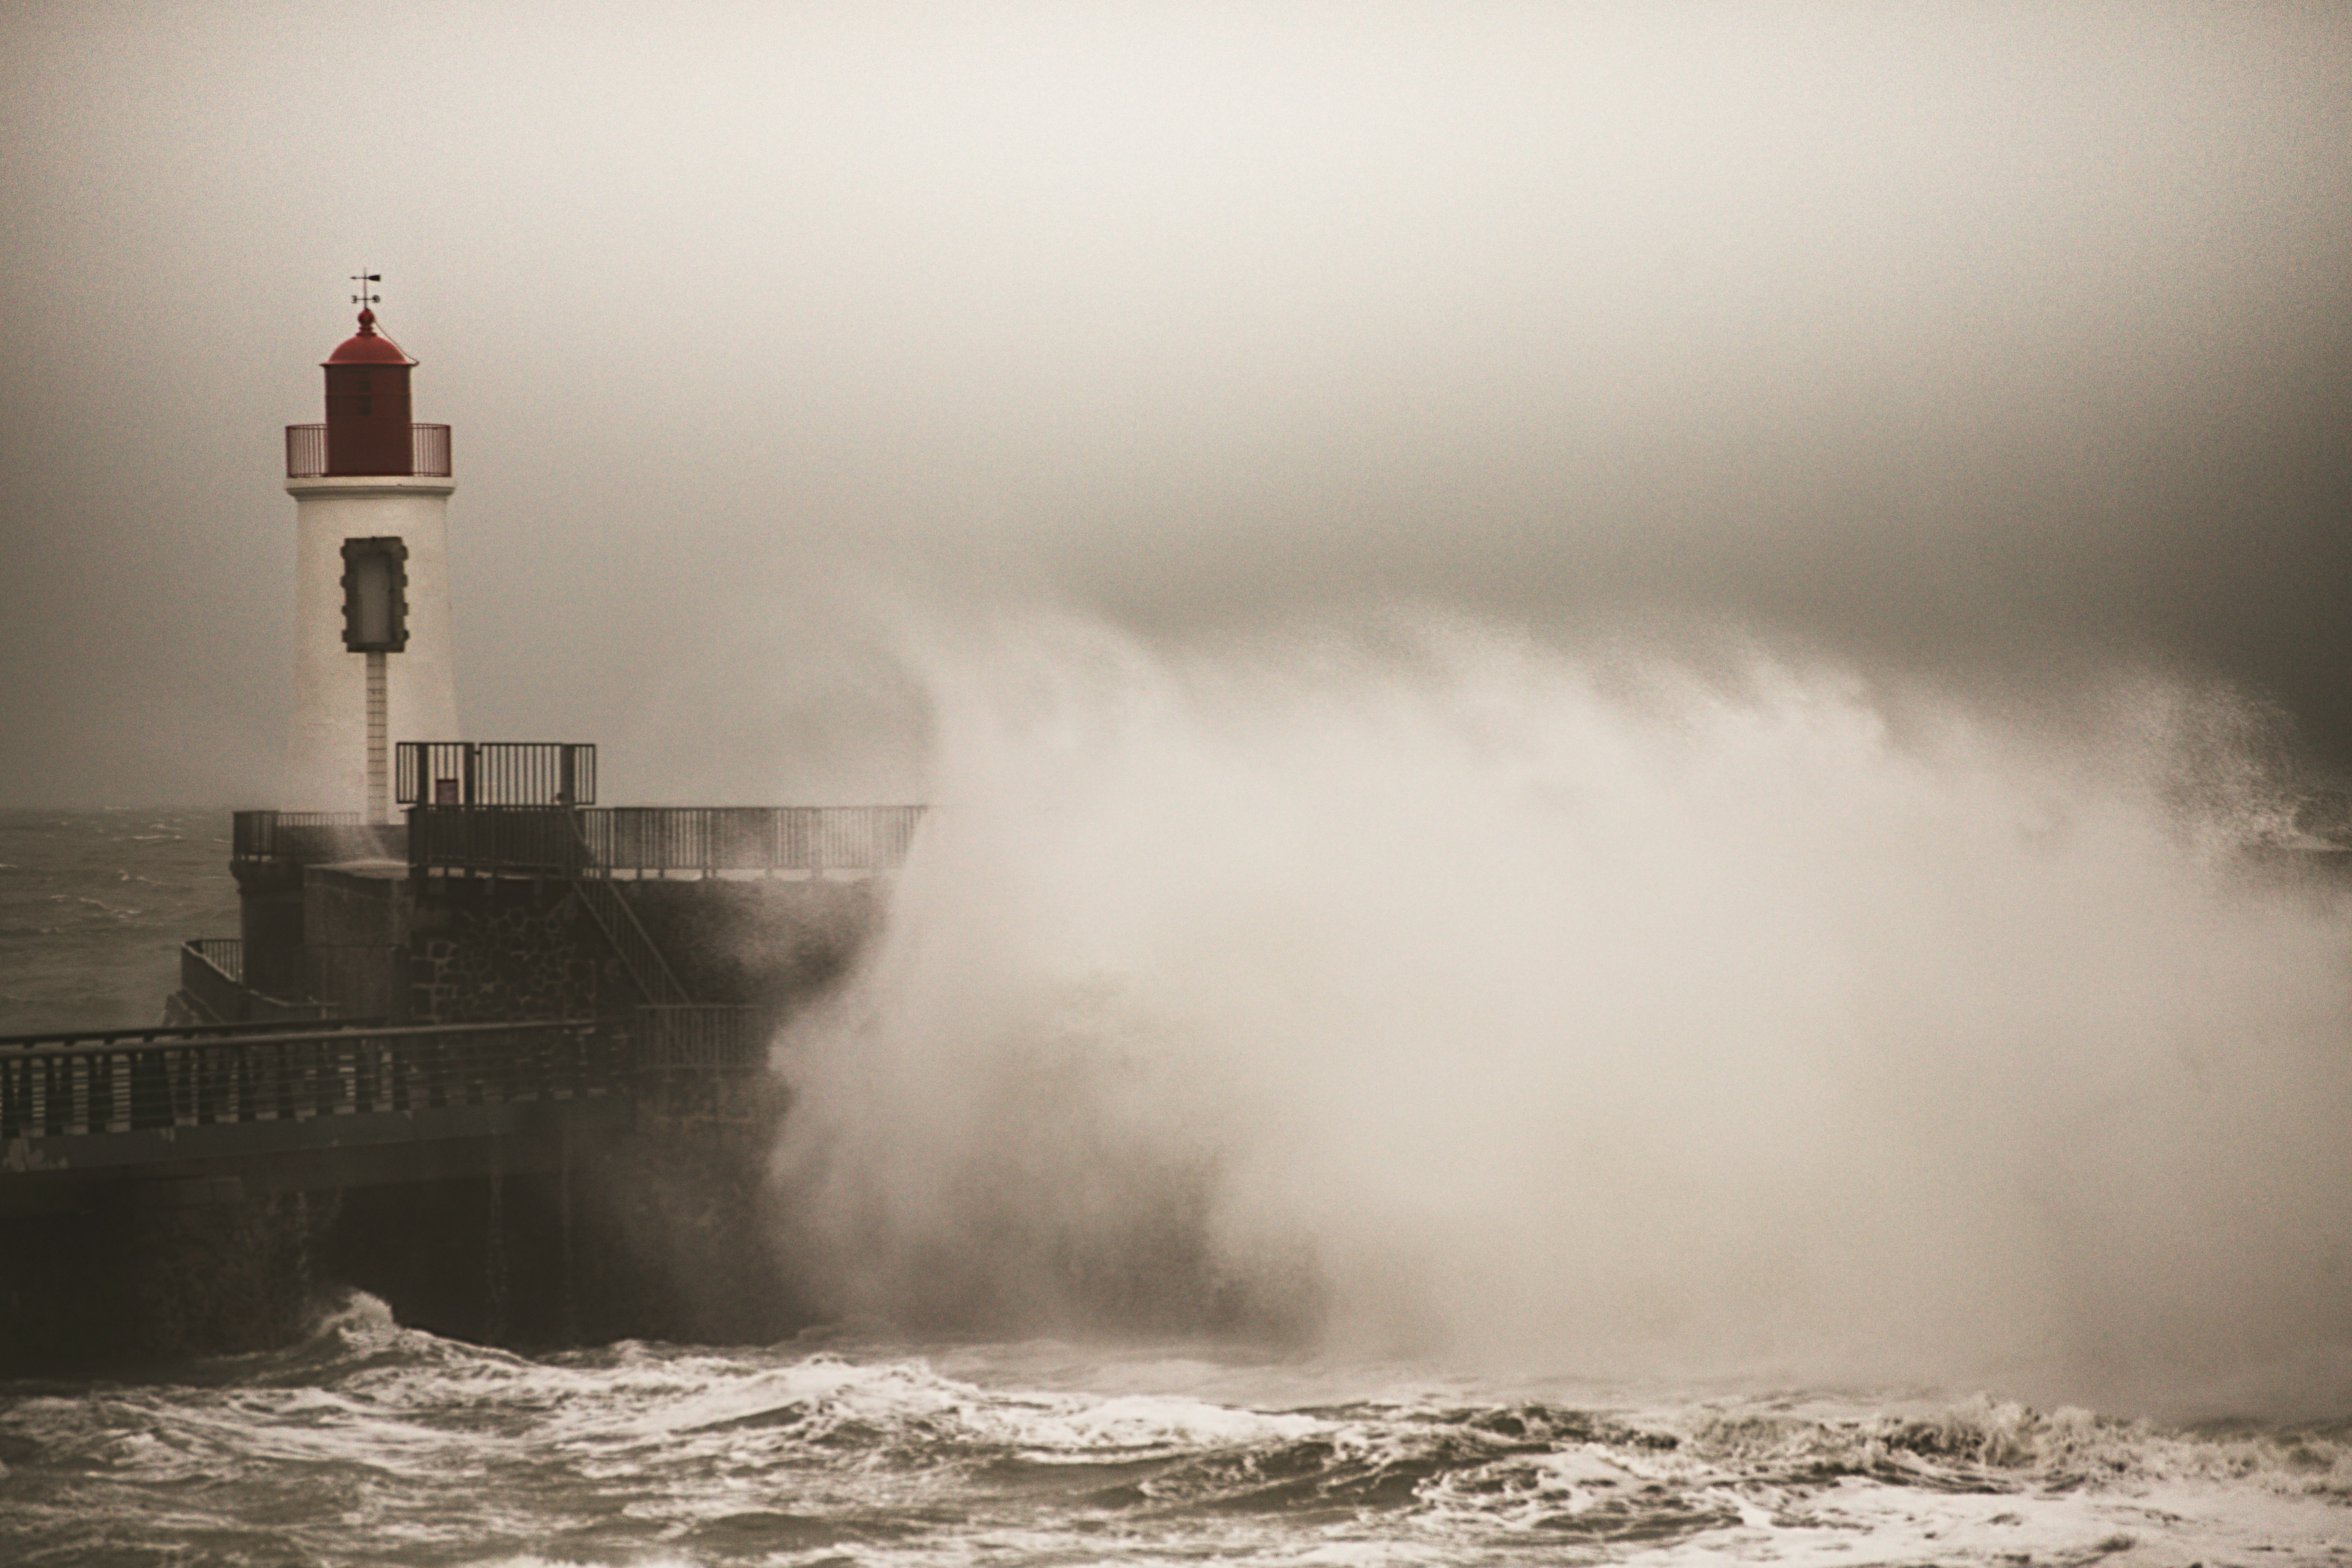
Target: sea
94 906
370 1442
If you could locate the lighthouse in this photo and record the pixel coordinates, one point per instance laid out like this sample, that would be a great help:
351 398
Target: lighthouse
372 657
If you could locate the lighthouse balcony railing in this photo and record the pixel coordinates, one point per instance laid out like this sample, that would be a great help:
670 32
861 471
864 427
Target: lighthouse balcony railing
313 838
306 452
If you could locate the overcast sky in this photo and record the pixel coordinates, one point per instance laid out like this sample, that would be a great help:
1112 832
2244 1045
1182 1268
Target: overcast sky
1985 341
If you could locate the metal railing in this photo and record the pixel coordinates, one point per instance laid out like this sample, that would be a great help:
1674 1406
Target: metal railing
655 981
708 1038
224 955
530 839
544 841
314 837
120 1087
211 971
127 1038
495 773
306 451
428 449
708 839
654 840
705 1066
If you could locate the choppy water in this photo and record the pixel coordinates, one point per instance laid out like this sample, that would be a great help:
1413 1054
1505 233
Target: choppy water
378 1445
94 906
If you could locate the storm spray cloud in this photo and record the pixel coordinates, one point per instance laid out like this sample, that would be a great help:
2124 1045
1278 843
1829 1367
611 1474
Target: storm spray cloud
1587 1012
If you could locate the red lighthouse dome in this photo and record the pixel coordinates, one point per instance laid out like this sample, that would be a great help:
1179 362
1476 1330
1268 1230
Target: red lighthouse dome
367 404
368 346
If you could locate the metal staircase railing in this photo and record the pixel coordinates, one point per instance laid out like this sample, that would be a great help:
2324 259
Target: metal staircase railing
657 984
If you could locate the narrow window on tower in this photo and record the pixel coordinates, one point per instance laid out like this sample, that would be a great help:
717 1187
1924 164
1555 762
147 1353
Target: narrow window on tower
375 596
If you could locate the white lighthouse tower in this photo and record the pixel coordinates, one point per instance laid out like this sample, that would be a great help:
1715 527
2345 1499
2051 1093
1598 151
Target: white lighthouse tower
371 658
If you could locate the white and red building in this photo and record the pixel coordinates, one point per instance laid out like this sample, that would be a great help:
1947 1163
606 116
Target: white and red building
372 660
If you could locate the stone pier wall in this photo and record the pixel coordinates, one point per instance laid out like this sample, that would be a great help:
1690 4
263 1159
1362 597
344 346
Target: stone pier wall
668 1230
133 1280
645 1237
482 950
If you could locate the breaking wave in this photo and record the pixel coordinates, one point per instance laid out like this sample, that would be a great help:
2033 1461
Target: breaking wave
374 1443
1598 1015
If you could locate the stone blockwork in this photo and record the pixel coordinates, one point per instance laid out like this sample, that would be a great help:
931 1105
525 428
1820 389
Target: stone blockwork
773 943
485 950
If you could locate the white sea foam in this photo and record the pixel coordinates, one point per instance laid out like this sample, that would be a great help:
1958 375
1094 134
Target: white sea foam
376 1438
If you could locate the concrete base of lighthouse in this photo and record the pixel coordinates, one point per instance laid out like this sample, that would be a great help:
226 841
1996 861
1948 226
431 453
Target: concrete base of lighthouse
328 751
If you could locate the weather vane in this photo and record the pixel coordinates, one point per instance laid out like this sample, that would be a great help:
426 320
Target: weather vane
363 296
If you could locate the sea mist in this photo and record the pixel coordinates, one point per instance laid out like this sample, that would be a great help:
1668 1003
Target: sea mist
1593 1013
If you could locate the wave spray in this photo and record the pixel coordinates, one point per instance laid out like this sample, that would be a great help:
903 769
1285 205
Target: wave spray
1448 993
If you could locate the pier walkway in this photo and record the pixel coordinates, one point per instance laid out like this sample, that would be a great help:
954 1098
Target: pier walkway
223 1113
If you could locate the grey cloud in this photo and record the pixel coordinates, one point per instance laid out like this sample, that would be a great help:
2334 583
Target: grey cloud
1959 339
